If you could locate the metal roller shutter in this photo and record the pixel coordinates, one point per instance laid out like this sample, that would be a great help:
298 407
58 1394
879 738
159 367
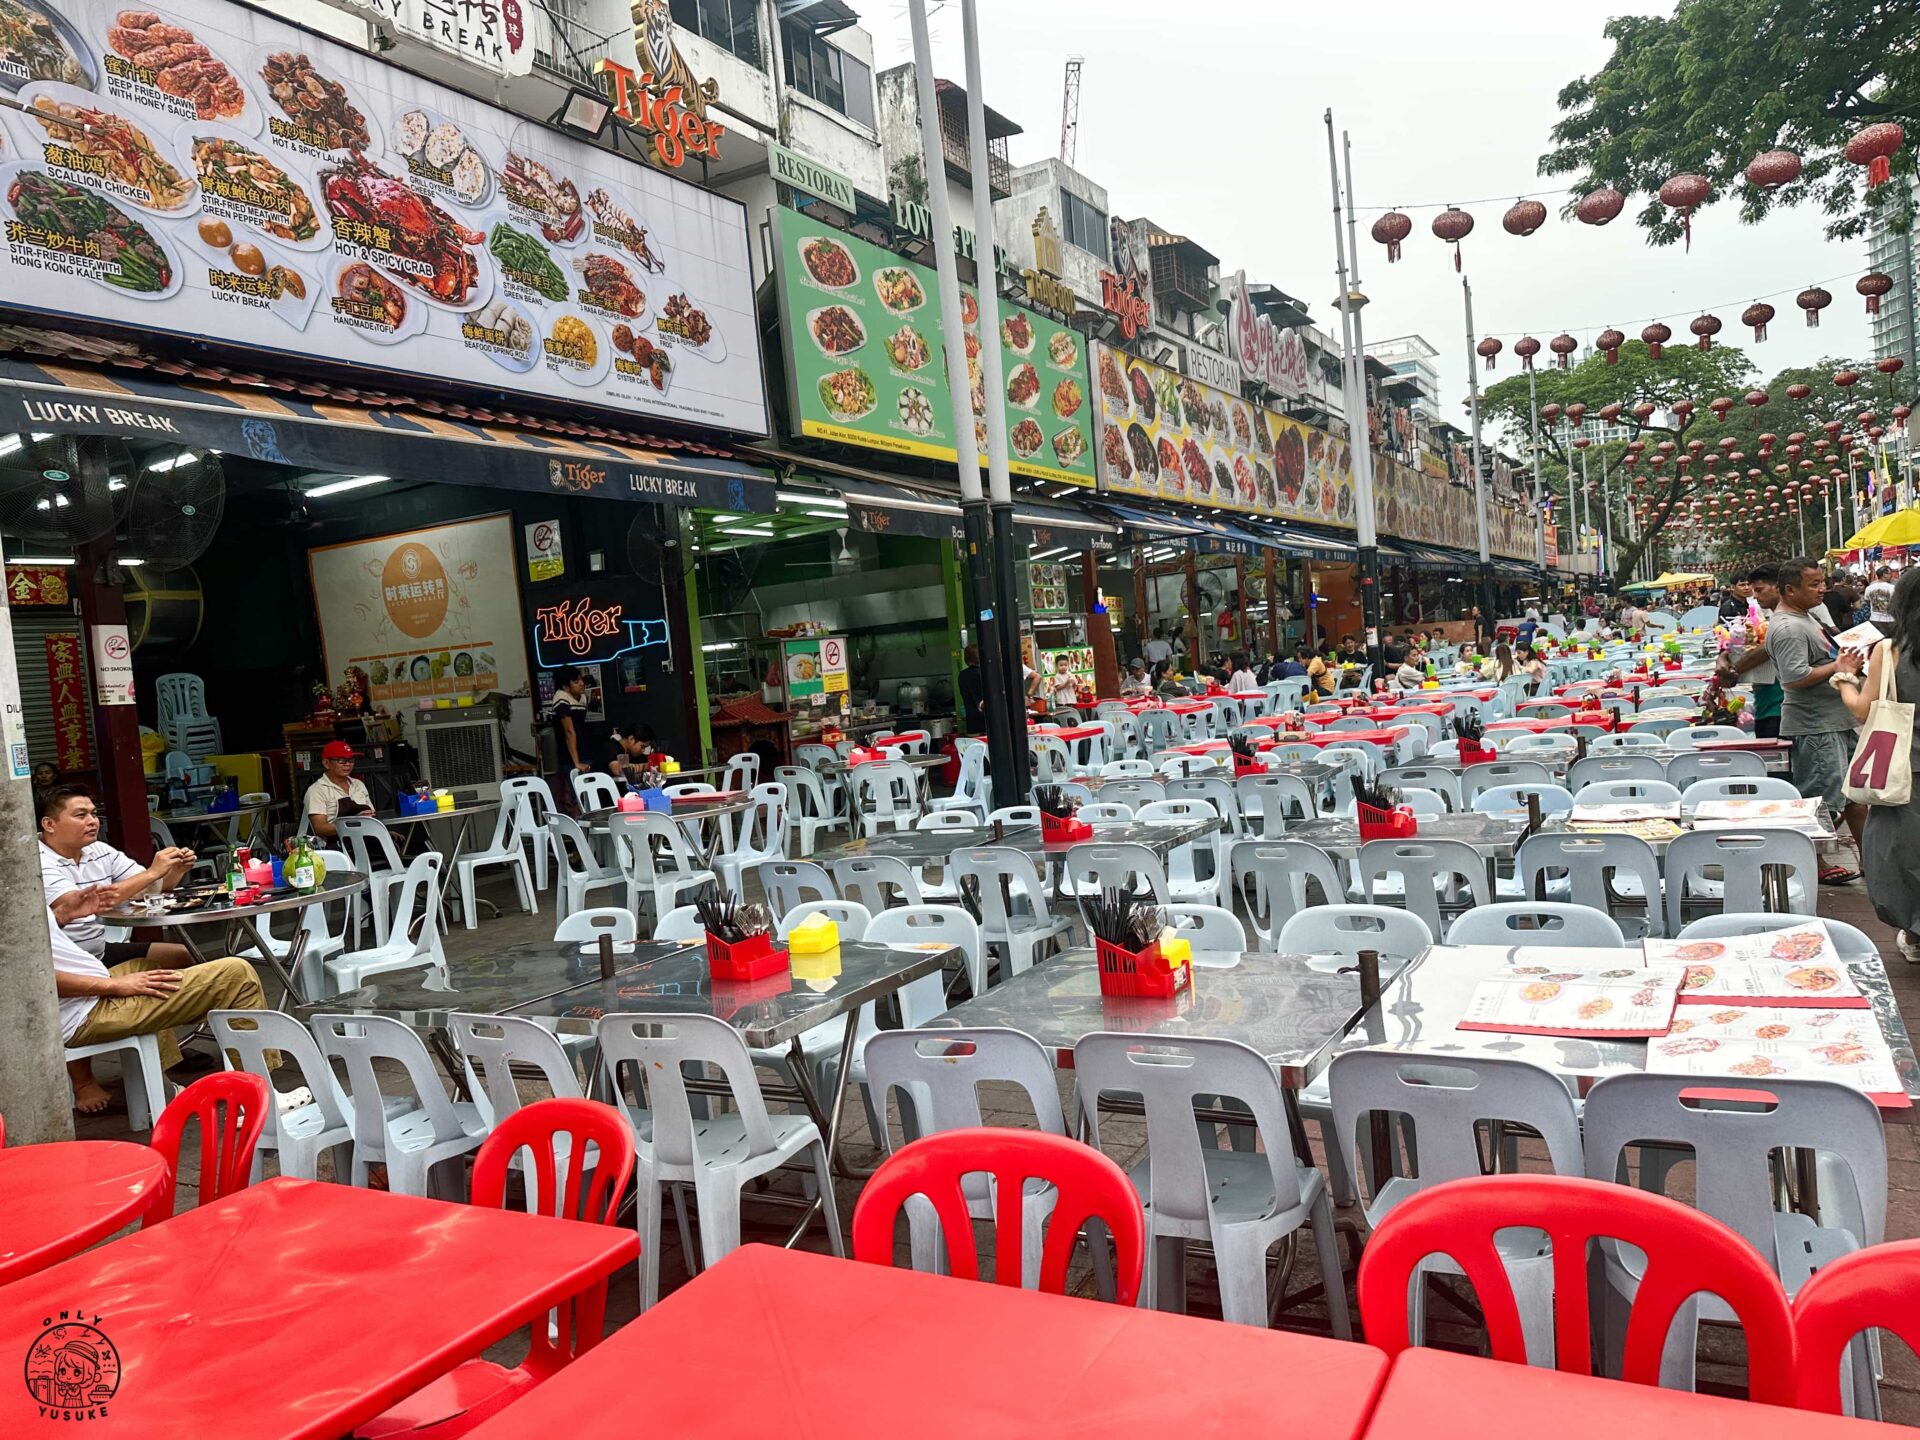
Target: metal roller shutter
30 629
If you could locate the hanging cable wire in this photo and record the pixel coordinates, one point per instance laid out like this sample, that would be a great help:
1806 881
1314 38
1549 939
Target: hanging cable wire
1462 204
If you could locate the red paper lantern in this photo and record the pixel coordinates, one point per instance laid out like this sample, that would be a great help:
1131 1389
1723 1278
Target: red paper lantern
1889 365
1390 229
1526 347
1643 412
1488 347
1453 225
1797 391
1683 410
1901 412
1844 379
1771 169
1524 217
1550 412
1683 193
1655 335
1706 327
1608 343
1757 315
1873 285
1874 147
1611 413
1597 207
1563 345
1720 405
1757 398
1576 413
1813 300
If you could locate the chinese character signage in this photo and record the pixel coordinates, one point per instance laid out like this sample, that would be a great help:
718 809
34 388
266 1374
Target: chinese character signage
496 35
1272 356
37 585
203 170
865 362
67 681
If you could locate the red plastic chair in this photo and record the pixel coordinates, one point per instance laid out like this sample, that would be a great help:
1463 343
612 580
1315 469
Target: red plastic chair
231 1107
1877 1288
1687 1252
1089 1187
458 1402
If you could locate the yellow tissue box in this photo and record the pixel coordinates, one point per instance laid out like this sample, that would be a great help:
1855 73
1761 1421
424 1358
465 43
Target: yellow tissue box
1176 950
813 936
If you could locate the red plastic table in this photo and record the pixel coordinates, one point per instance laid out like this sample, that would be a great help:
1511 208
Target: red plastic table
1439 1395
781 1342
1323 738
298 1309
56 1200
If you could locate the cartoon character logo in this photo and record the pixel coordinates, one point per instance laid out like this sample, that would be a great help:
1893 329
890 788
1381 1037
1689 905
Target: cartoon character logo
72 1370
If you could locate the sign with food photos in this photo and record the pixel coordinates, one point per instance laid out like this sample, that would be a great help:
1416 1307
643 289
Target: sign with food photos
865 367
1169 437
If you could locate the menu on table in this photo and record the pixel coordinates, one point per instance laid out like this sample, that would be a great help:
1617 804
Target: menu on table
1772 1042
1796 814
1649 830
1624 810
1627 1002
1797 966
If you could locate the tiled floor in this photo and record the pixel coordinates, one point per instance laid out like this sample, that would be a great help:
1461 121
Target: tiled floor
1720 1351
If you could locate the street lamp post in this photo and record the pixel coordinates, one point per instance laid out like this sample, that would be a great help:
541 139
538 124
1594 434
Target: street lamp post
1479 470
1354 402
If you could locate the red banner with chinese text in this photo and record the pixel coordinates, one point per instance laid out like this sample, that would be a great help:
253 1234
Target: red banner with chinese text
66 678
37 585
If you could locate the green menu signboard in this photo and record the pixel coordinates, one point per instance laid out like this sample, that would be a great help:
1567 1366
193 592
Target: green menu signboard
865 364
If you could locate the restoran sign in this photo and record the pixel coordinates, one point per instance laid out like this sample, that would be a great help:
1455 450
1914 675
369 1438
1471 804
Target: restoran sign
496 35
1272 356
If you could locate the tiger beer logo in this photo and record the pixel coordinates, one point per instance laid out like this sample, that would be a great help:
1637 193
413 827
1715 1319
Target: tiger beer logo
72 1369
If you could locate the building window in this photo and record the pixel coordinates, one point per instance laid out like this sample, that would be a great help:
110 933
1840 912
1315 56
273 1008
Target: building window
730 24
1081 224
824 72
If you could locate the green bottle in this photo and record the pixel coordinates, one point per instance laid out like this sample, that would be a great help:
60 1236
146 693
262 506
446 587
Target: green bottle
300 869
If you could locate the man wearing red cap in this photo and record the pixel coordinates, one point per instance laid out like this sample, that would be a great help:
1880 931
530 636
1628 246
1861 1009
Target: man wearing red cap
337 792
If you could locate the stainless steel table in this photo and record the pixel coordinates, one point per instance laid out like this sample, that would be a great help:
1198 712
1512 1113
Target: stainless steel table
836 769
690 811
922 847
137 915
217 821
1495 837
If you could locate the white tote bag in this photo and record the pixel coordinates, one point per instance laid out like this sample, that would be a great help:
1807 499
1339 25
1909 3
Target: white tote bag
1882 768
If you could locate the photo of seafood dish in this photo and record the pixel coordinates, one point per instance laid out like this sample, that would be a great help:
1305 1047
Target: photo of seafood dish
969 308
907 349
430 244
829 264
1067 399
1026 438
240 181
1756 1066
1316 446
836 330
1262 438
1112 384
606 284
1692 1045
1343 502
1797 945
1069 447
1168 455
1698 977
1222 478
1696 951
38 44
915 411
1269 492
614 224
898 290
848 394
1140 447
1063 350
1016 333
1142 386
438 153
1023 386
318 111
1194 461
1242 426
504 331
1243 482
641 357
1813 979
1538 992
108 150
365 295
1113 453
181 67
134 260
573 348
686 323
1290 466
553 201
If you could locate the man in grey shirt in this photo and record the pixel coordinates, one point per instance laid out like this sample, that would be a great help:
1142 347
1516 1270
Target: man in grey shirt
1812 714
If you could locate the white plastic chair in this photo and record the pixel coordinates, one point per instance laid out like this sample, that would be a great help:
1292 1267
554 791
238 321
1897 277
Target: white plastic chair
1552 923
1512 799
885 793
490 1046
787 883
659 864
1096 812
810 806
1332 935
1694 735
761 836
1212 931
1692 766
850 916
1091 869
415 908
719 1153
585 927
421 1142
1599 871
1436 778
301 1135
1628 792
1018 920
505 848
1012 815
1429 876
1423 803
876 881
1616 765
1127 770
1530 773
373 854
742 772
1188 881
921 1001
1270 878
1850 941
146 1082
972 791
594 791
1242 1201
681 924
1742 857
580 872
529 800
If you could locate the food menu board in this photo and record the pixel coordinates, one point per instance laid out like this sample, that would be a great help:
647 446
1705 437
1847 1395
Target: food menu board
865 364
1626 1003
1794 966
1768 1043
1047 588
207 171
1172 438
1800 814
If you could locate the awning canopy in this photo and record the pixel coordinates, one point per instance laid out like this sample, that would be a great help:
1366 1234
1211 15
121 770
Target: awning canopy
283 427
895 510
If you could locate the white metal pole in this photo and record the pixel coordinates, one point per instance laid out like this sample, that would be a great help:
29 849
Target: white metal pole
1000 487
1363 496
1479 471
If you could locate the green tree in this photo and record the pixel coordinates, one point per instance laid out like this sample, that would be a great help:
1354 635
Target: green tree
1681 373
1719 81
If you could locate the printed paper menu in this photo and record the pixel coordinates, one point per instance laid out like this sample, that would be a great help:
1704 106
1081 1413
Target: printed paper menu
1797 966
1534 1000
1766 1043
1799 814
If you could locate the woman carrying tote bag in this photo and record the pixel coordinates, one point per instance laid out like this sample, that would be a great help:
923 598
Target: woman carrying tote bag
1881 773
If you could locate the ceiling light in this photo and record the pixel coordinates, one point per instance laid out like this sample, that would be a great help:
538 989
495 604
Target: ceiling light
39 560
720 645
825 514
10 444
174 462
353 482
130 560
808 497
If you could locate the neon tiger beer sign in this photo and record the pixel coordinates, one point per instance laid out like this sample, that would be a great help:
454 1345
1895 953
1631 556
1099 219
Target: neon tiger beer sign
642 101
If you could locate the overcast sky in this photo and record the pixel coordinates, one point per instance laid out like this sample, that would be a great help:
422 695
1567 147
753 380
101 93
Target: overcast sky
1206 116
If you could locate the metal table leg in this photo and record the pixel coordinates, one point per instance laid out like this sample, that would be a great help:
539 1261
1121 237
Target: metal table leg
829 1121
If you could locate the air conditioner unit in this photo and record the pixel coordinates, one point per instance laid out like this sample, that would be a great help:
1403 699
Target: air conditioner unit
460 751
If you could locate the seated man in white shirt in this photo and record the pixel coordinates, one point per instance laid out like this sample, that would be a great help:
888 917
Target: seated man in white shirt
337 784
74 860
138 997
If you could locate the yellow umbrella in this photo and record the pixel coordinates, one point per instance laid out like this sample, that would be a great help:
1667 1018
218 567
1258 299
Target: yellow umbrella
1902 527
1669 580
